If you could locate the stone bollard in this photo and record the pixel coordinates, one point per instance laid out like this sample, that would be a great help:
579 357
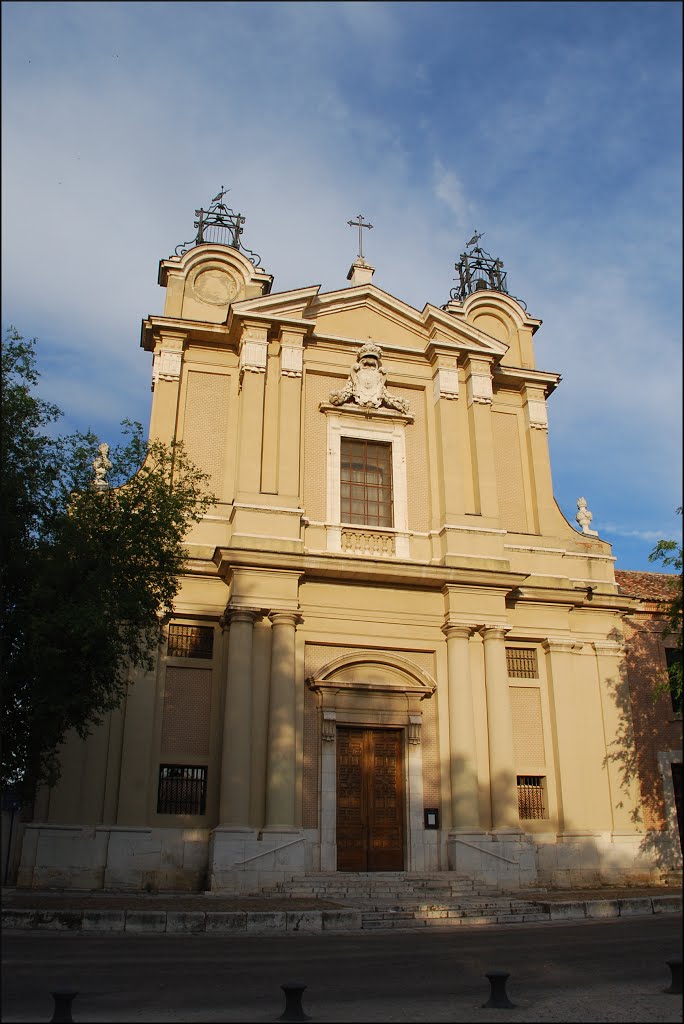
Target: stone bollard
293 1003
498 998
63 999
675 965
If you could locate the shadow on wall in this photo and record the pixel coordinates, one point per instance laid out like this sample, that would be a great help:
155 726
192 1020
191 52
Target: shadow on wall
646 727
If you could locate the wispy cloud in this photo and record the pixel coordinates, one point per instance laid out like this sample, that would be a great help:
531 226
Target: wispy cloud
118 124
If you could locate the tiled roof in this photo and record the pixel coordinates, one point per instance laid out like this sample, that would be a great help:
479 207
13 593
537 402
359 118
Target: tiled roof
651 586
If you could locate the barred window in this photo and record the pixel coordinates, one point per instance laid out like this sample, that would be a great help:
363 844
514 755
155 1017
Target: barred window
366 482
182 789
190 641
522 662
531 796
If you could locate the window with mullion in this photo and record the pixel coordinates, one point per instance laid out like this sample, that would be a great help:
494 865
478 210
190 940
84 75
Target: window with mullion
366 482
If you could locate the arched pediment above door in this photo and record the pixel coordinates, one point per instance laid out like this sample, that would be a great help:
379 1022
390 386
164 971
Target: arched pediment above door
376 673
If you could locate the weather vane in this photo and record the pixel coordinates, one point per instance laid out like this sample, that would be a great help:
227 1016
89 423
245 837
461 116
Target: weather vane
360 225
476 238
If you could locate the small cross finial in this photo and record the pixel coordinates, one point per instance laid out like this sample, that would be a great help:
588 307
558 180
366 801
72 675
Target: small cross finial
359 223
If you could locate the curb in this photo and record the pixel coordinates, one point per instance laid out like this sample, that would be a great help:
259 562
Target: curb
311 921
182 922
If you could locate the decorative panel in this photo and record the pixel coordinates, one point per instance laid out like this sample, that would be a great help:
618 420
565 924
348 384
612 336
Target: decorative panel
509 476
528 732
206 424
187 711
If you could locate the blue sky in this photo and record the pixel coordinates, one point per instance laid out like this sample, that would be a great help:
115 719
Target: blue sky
553 128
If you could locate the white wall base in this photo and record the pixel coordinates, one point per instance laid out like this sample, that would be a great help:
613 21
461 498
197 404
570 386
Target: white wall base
137 859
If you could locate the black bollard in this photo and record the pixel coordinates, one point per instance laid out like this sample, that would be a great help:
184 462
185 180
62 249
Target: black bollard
293 1003
675 965
497 997
63 999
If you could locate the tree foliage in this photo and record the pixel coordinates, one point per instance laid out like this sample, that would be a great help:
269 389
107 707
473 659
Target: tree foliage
87 576
669 554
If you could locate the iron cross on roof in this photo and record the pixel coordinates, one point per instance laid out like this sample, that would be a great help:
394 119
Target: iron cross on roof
360 225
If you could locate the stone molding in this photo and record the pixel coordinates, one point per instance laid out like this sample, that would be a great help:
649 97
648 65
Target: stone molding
414 729
329 725
291 360
445 383
166 365
479 387
537 415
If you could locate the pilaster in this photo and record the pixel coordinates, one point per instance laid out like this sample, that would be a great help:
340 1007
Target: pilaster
479 399
291 375
537 427
167 363
253 356
503 782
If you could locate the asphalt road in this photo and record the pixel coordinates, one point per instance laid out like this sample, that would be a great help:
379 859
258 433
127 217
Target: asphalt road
584 971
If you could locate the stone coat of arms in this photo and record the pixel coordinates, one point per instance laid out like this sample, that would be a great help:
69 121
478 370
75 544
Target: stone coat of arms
366 385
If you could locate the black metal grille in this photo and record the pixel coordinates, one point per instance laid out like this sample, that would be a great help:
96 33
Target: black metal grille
522 662
191 642
366 482
182 789
531 796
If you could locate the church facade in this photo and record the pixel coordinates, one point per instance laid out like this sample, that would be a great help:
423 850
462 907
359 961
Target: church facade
390 650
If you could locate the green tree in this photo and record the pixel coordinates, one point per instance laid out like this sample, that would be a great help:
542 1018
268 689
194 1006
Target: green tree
87 575
669 553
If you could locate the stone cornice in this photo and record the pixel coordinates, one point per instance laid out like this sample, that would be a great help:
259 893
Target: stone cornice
361 570
518 378
196 330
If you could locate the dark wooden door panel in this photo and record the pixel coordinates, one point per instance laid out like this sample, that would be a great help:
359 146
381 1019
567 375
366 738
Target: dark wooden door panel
370 800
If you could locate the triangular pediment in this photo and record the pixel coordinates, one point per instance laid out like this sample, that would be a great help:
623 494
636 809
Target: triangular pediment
366 311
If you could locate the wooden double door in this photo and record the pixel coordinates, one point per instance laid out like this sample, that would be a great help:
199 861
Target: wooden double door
370 800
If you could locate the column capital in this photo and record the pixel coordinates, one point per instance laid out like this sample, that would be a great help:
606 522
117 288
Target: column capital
561 645
494 630
458 629
232 614
285 617
611 648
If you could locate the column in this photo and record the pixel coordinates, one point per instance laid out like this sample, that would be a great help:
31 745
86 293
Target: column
465 810
503 780
281 748
237 720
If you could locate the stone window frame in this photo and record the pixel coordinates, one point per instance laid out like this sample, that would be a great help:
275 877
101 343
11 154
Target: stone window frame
378 427
666 758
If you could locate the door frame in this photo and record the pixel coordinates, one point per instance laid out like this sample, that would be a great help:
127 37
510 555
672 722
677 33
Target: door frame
374 690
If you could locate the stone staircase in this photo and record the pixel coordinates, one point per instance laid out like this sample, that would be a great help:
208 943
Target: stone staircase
406 900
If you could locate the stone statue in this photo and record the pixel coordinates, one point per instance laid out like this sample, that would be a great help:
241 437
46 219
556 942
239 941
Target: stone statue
584 517
101 465
366 384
